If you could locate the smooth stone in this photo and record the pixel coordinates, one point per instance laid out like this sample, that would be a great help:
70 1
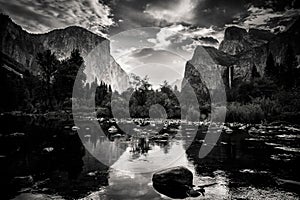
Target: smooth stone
175 182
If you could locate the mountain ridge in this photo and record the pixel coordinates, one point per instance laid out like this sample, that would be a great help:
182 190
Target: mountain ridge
23 47
240 52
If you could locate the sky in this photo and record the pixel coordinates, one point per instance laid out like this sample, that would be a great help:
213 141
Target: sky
174 26
200 18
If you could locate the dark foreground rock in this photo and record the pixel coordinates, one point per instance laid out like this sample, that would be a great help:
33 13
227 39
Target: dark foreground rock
176 182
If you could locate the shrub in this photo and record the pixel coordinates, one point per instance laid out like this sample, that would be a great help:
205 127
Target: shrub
248 113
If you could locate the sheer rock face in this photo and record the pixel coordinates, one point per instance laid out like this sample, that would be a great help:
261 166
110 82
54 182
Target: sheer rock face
238 53
207 74
16 43
238 40
250 48
234 42
207 70
23 48
211 64
116 76
253 47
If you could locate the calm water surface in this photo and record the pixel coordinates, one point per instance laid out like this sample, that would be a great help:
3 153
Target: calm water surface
241 166
261 165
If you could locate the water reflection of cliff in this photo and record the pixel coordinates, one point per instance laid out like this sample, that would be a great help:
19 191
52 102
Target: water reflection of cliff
47 153
130 176
139 146
110 142
51 155
108 152
99 145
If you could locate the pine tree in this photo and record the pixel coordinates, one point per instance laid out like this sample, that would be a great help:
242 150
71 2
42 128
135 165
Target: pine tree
254 73
165 87
175 88
270 69
290 65
48 66
70 77
76 74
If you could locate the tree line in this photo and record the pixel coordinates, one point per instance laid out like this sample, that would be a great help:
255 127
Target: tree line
273 95
47 90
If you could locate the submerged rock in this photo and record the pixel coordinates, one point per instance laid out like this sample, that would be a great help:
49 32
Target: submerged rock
38 197
23 181
17 134
176 182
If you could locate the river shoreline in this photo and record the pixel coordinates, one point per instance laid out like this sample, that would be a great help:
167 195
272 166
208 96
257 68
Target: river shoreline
44 158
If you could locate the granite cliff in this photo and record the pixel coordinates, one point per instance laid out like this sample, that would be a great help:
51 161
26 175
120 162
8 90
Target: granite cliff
22 47
239 52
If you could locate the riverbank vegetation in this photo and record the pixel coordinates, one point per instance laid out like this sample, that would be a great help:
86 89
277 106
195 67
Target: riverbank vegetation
273 97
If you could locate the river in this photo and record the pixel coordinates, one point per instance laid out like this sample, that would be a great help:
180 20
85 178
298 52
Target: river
45 159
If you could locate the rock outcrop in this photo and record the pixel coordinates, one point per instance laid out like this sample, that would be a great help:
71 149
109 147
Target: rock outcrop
207 73
176 182
238 40
239 52
234 42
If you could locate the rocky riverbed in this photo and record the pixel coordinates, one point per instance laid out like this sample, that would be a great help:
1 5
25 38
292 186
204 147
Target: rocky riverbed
46 159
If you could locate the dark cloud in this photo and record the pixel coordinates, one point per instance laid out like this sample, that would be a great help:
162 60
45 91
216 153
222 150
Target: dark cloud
41 16
132 13
204 13
276 5
219 12
24 16
128 14
137 13
209 40
120 15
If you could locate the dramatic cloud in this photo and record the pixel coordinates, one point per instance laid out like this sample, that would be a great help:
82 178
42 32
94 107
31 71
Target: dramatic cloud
276 5
267 18
201 13
178 11
184 23
183 39
145 31
167 36
218 12
194 17
209 40
40 16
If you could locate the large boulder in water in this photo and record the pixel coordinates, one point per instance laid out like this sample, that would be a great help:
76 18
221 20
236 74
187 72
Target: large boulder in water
176 182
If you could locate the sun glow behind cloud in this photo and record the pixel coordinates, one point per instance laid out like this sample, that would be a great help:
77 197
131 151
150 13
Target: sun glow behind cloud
182 11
